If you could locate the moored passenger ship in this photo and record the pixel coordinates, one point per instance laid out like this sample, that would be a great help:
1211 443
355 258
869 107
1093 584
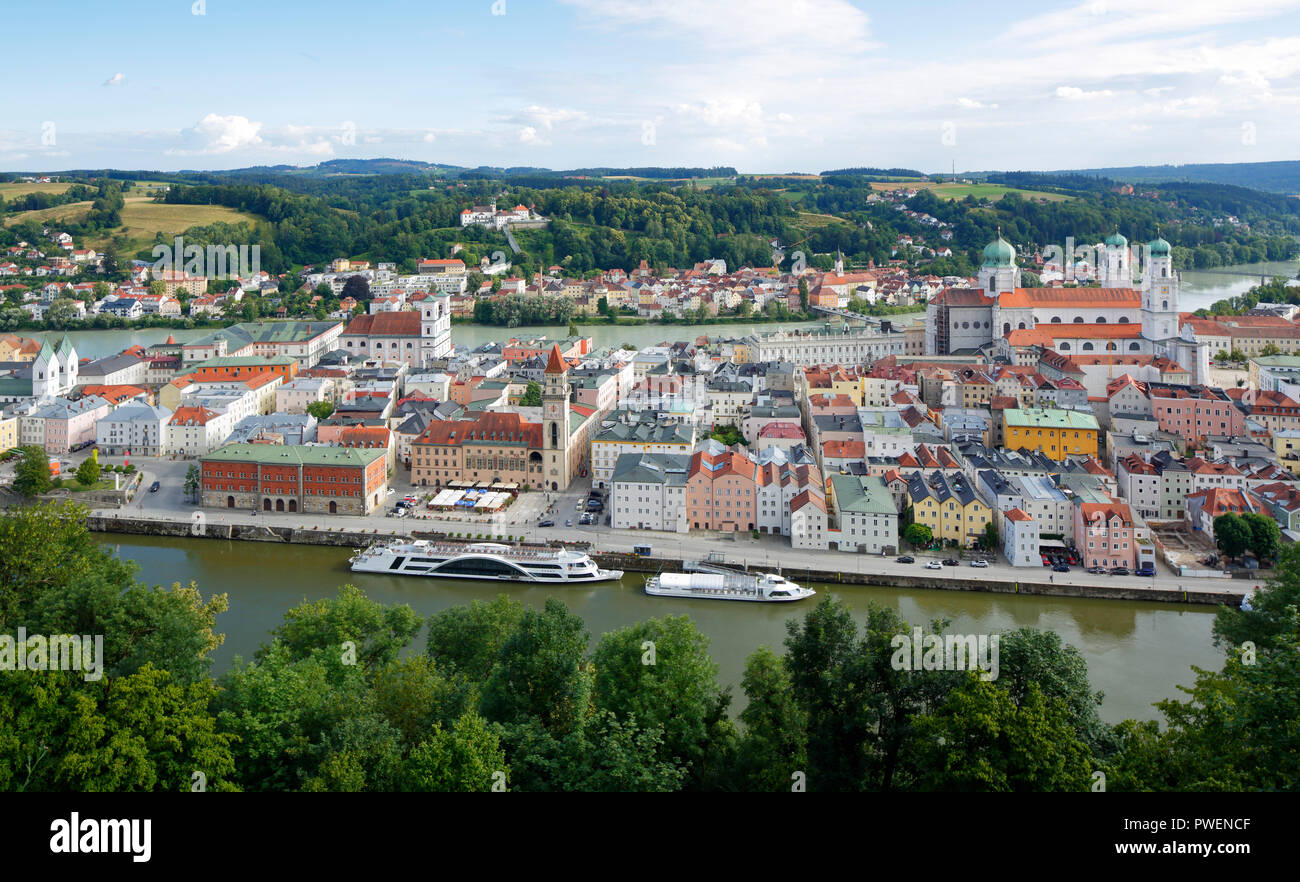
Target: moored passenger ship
481 560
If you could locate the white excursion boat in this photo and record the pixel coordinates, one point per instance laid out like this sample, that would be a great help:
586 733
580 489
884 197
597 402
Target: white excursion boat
761 587
481 560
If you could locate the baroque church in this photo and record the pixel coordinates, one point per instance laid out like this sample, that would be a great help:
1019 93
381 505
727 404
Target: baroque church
1119 318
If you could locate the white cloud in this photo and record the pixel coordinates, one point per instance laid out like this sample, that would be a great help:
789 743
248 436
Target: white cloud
222 134
528 135
972 104
1074 93
116 79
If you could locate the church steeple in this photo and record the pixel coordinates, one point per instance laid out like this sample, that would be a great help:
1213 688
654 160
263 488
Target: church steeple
555 422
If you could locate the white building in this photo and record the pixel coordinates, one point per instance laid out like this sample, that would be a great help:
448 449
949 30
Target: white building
1020 539
648 492
135 426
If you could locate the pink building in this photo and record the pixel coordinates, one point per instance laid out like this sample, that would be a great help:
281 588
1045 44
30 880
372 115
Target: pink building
1107 535
1195 411
721 491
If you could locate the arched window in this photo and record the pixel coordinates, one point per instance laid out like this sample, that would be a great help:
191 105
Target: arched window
1078 319
1056 319
1164 304
1133 347
266 505
1123 320
965 324
1111 347
293 505
555 435
279 505
1022 326
334 507
1101 320
1006 328
1065 346
230 502
1087 347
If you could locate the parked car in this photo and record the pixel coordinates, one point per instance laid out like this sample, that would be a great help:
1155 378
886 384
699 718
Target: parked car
907 558
933 565
586 520
979 563
1062 568
578 507
1046 561
568 523
1146 571
546 523
1097 571
153 488
950 562
1119 571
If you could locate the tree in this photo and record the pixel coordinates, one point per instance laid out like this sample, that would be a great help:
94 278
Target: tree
467 639
918 535
989 539
321 409
775 737
462 760
377 632
532 396
88 472
979 739
803 294
1271 607
1232 535
356 287
32 474
191 486
728 435
660 674
1265 536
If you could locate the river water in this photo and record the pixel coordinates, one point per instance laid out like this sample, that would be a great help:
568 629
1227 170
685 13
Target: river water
1137 653
1200 288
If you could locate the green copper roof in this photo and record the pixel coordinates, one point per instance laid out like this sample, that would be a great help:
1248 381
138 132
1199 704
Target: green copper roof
1159 248
999 253
1115 240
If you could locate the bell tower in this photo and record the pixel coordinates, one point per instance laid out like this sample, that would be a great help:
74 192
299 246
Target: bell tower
555 422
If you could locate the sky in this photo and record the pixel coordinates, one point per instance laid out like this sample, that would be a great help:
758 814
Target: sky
761 85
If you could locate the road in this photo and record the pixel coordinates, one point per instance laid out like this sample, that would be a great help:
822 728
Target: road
766 551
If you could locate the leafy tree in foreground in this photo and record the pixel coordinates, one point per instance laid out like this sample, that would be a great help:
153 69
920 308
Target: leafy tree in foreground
32 474
1232 535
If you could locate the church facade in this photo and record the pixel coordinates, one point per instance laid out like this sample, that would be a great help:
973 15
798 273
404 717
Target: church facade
1001 318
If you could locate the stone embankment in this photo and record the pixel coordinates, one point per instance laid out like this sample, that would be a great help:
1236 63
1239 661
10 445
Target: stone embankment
202 528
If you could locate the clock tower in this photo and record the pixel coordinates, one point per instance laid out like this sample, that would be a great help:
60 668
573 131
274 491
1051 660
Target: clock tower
555 422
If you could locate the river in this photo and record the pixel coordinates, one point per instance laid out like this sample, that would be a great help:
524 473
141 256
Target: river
1200 289
1137 653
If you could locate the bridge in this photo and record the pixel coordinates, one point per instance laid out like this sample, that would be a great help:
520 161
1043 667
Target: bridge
845 314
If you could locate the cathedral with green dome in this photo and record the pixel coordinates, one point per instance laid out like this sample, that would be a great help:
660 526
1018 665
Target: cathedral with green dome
1119 321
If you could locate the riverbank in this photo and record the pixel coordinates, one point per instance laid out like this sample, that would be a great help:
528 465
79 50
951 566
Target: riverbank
200 526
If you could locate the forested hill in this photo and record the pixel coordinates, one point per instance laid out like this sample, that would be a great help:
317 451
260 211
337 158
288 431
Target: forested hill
1274 177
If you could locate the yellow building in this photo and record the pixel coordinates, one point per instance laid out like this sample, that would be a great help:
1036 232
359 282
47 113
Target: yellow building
947 504
1286 445
8 433
15 348
1057 433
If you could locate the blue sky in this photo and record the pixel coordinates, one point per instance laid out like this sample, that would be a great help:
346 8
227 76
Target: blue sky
763 85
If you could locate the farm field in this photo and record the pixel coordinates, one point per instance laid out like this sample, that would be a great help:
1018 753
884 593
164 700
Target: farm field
961 191
142 219
18 190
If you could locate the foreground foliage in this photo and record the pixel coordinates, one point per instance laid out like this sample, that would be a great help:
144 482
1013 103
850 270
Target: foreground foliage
509 697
